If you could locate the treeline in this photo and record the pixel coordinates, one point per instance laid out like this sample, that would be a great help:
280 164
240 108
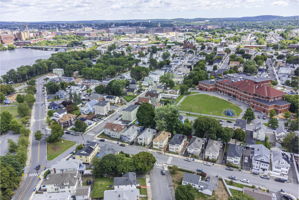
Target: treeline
13 163
69 61
109 65
114 87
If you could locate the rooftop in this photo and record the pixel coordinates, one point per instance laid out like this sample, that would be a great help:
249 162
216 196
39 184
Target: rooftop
131 108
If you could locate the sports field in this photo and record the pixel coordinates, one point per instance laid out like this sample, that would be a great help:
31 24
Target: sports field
206 104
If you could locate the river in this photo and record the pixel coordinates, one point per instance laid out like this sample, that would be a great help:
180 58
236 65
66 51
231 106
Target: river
15 58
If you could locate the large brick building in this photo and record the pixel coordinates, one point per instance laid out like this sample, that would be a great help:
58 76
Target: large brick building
258 93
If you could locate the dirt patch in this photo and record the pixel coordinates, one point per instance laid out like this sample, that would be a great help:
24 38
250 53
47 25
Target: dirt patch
220 192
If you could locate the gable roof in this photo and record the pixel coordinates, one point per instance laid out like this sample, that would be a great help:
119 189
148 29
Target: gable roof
191 178
196 142
114 127
234 150
177 139
127 179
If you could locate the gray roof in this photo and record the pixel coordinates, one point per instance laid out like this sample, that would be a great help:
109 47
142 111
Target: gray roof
127 179
196 142
129 194
276 102
241 123
261 153
102 103
234 150
60 180
83 191
131 108
87 149
213 146
191 178
209 185
177 139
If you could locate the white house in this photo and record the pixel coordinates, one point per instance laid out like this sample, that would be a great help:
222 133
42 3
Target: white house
196 145
280 162
260 159
112 99
58 71
177 142
102 108
204 186
130 134
122 194
89 107
113 130
212 150
129 113
146 137
234 154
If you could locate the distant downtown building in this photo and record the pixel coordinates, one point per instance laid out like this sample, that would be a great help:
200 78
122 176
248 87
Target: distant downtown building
258 93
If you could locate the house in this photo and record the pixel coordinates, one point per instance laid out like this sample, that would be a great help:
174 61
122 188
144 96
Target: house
89 107
122 194
280 162
247 158
66 166
127 181
241 123
258 194
234 154
191 179
88 152
61 94
59 113
129 113
260 159
196 145
58 71
112 99
280 134
146 137
83 193
102 108
130 134
52 196
54 106
142 100
177 143
161 140
154 97
67 120
113 130
204 186
60 183
212 150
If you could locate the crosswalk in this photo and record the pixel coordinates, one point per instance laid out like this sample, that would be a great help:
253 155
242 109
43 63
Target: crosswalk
33 174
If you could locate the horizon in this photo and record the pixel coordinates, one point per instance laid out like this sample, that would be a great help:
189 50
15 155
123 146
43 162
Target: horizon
88 10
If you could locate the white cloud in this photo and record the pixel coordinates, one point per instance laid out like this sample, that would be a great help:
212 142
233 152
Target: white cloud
43 10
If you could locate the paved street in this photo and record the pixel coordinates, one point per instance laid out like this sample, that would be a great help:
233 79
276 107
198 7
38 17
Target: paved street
162 188
38 148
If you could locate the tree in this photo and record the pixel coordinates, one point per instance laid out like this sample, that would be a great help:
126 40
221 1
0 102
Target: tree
29 99
184 89
287 115
116 87
226 134
272 113
167 118
293 100
2 97
23 109
165 55
20 98
138 73
15 126
206 127
12 146
250 67
52 87
167 80
143 162
239 134
50 113
291 143
5 119
106 166
79 147
273 123
56 133
38 135
249 115
294 125
80 126
146 115
184 192
100 89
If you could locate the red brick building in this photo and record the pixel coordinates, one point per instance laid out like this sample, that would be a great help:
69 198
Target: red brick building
257 93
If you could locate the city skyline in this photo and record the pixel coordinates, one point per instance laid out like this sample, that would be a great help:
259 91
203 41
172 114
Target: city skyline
35 10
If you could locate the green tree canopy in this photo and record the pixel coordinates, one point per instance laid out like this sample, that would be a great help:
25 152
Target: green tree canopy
23 109
167 118
184 192
5 119
146 115
249 115
80 126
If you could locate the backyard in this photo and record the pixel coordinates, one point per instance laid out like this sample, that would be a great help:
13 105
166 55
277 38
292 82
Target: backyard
10 108
206 104
57 148
99 186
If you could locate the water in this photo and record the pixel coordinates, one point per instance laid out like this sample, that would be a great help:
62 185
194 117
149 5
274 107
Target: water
15 58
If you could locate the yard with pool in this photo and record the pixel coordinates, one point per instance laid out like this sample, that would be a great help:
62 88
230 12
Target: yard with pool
211 105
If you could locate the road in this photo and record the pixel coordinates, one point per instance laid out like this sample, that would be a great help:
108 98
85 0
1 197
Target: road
38 150
214 170
162 188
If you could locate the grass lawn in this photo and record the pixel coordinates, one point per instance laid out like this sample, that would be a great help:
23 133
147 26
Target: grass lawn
129 98
207 104
235 192
12 109
239 185
99 186
57 148
142 183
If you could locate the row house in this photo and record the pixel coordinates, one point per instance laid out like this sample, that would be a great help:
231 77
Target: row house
177 143
146 137
161 140
196 145
280 162
212 150
113 130
129 113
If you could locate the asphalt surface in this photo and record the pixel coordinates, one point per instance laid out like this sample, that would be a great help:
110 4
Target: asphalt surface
38 148
161 185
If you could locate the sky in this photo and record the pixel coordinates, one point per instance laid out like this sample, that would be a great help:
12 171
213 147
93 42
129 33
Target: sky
72 10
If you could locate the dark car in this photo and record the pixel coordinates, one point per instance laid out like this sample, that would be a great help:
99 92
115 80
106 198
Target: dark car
200 170
102 140
232 177
280 180
265 177
122 145
37 167
163 172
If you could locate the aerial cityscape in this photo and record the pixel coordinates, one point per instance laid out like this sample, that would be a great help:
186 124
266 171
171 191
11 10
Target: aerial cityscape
149 100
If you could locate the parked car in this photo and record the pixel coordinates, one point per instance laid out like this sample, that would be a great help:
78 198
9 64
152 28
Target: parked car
122 145
37 167
245 180
163 172
229 169
232 177
280 180
102 140
200 170
265 176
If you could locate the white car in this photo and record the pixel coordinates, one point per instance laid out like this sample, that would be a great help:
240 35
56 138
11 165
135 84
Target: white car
245 180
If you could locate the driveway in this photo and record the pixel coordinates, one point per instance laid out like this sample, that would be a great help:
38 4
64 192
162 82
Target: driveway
161 185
